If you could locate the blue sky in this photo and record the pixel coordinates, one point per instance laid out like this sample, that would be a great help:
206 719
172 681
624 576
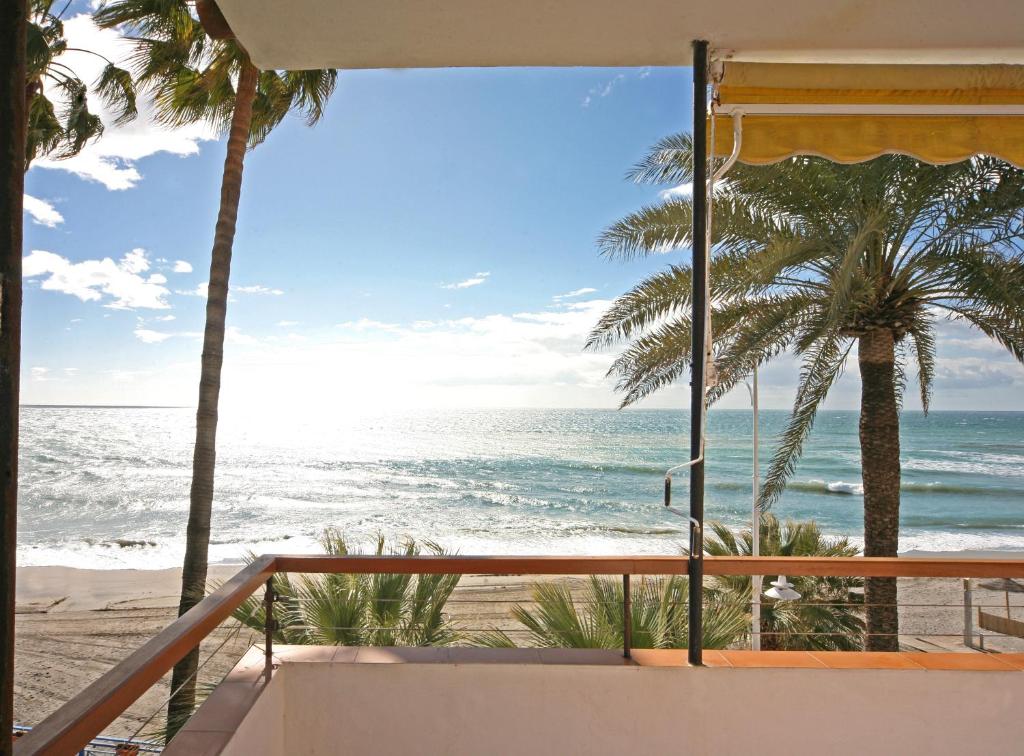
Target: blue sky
430 243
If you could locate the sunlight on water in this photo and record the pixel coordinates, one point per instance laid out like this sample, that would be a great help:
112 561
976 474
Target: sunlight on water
108 487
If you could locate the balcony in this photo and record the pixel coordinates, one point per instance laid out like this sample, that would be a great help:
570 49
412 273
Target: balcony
319 699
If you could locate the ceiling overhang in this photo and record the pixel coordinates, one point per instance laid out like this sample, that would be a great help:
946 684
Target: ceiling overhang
351 34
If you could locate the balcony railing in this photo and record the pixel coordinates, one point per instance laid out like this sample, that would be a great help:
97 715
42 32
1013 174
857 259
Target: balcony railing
86 715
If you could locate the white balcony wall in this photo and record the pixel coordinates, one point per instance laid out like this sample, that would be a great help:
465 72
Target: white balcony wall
317 709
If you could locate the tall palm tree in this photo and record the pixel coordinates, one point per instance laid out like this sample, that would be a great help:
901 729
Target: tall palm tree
60 123
828 616
194 78
13 116
817 258
592 616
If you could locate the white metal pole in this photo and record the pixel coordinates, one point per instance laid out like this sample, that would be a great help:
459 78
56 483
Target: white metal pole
755 580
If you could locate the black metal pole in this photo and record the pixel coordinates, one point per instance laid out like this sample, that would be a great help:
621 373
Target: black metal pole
13 25
269 626
627 618
700 261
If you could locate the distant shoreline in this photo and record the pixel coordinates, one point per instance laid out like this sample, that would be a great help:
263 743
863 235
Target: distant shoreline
105 406
228 567
574 409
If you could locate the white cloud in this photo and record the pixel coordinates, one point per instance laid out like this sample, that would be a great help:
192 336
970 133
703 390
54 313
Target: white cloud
476 280
71 372
40 373
135 261
111 160
683 190
234 335
603 90
147 336
977 373
574 293
201 290
165 318
42 212
126 376
287 323
150 336
182 266
257 289
92 280
366 324
527 358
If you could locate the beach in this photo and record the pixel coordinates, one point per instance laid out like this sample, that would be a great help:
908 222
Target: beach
108 489
75 624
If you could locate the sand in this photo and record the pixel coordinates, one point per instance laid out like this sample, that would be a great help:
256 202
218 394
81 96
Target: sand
74 624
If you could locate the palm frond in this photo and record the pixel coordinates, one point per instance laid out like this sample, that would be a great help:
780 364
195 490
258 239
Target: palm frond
359 610
192 77
117 89
670 161
656 297
823 365
828 616
922 335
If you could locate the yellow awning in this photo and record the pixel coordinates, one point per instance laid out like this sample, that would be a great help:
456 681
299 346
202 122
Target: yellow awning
851 113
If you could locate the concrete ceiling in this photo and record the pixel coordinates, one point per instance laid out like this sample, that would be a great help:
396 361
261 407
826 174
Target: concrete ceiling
300 34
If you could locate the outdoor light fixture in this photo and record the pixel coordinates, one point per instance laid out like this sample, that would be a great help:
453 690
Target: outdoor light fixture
782 590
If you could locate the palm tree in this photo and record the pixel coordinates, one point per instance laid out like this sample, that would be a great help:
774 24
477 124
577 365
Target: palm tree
13 112
829 614
818 258
62 128
592 616
195 78
348 610
359 610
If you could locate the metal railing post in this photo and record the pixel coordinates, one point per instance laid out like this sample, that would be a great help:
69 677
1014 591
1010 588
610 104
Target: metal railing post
269 626
627 618
698 328
968 615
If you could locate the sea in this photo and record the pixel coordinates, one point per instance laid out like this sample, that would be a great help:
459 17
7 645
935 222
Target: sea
108 487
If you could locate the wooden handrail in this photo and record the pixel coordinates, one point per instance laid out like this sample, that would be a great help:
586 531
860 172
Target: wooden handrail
865 567
482 565
651 565
72 726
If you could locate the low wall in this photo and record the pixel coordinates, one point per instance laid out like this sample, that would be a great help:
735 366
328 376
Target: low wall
341 706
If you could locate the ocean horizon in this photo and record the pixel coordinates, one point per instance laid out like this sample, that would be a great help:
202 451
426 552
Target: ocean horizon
108 487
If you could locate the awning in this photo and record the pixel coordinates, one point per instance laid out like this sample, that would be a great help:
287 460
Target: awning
850 113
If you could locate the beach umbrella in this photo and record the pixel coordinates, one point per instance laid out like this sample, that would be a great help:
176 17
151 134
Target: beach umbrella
1005 585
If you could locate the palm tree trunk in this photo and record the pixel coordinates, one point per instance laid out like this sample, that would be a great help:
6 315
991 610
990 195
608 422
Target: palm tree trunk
13 20
193 575
880 465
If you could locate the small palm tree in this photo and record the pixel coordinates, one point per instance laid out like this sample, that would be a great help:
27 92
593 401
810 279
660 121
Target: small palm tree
359 610
592 617
817 259
60 123
194 78
828 616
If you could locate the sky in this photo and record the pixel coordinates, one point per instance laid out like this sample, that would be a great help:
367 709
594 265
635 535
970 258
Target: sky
431 243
